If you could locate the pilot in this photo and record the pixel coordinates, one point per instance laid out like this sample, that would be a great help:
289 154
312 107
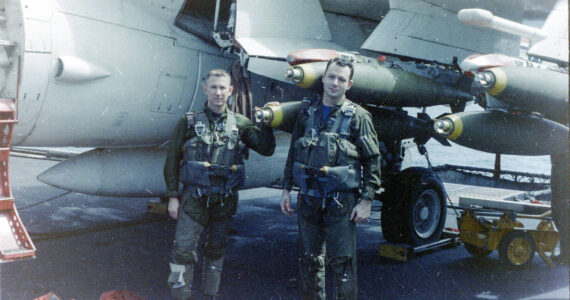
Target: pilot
205 154
334 160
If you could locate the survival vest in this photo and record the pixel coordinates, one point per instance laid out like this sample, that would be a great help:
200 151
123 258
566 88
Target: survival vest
326 162
213 158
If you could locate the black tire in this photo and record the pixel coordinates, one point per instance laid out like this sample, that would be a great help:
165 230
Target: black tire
477 251
413 207
516 248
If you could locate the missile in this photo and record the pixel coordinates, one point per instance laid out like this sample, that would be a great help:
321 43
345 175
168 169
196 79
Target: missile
530 89
390 124
396 124
484 18
500 132
282 116
480 62
379 85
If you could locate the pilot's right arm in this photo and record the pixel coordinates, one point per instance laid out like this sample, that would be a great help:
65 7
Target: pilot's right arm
172 164
285 204
298 131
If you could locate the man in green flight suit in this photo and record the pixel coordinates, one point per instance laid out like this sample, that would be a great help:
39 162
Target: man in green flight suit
206 155
334 159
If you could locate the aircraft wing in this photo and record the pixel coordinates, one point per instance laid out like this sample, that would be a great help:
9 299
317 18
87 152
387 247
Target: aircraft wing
555 46
267 42
429 30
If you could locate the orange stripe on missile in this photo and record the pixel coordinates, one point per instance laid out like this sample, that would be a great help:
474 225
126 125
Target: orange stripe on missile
310 55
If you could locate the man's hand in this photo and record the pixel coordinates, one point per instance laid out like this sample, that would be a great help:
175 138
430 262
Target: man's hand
361 211
286 203
173 206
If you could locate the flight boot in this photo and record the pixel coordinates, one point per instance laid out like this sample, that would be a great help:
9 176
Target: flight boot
211 276
180 281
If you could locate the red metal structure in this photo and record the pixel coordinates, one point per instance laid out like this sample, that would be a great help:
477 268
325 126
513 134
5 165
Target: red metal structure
15 243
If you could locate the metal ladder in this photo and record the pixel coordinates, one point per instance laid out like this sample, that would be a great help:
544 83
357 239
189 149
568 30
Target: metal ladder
15 243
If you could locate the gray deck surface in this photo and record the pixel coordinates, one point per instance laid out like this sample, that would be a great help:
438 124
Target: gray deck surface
261 253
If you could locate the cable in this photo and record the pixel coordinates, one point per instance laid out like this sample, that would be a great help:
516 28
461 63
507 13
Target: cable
43 201
43 236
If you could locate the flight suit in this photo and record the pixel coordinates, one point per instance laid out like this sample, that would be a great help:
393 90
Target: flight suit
335 162
206 156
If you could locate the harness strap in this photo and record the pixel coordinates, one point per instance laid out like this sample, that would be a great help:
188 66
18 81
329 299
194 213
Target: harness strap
190 119
348 113
342 126
311 124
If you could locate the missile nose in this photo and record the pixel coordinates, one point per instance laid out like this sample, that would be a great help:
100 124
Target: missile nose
449 127
294 74
443 127
485 79
264 116
475 16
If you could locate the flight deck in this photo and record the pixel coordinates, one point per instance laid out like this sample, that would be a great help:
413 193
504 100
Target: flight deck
88 245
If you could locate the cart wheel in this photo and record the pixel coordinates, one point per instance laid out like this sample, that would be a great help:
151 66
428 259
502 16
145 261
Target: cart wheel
516 248
477 251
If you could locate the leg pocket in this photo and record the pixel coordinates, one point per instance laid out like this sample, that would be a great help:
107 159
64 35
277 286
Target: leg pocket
195 207
308 207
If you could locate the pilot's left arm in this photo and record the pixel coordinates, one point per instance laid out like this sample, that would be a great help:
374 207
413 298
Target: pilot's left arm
259 139
367 145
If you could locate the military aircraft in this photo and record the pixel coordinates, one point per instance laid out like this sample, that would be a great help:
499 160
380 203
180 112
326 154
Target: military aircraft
117 75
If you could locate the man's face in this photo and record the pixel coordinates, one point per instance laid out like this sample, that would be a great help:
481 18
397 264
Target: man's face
336 81
218 89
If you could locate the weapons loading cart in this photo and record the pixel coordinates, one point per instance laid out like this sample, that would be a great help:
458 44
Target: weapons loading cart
486 210
486 225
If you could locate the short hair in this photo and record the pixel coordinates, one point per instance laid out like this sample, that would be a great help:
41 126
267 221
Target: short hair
218 73
343 62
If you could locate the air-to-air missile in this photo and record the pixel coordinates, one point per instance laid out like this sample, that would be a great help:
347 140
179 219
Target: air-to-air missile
506 133
390 124
528 89
282 116
374 83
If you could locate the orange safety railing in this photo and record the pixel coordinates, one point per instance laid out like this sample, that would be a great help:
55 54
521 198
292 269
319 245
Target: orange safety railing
15 243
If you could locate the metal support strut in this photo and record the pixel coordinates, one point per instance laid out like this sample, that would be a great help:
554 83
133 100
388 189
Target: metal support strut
15 243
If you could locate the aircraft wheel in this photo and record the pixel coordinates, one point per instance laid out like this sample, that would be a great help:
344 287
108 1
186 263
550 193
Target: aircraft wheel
516 248
413 207
477 251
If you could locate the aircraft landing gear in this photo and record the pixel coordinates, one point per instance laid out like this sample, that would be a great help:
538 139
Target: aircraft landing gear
413 207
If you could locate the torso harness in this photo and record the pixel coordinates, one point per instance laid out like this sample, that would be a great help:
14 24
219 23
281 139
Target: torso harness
213 158
326 161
